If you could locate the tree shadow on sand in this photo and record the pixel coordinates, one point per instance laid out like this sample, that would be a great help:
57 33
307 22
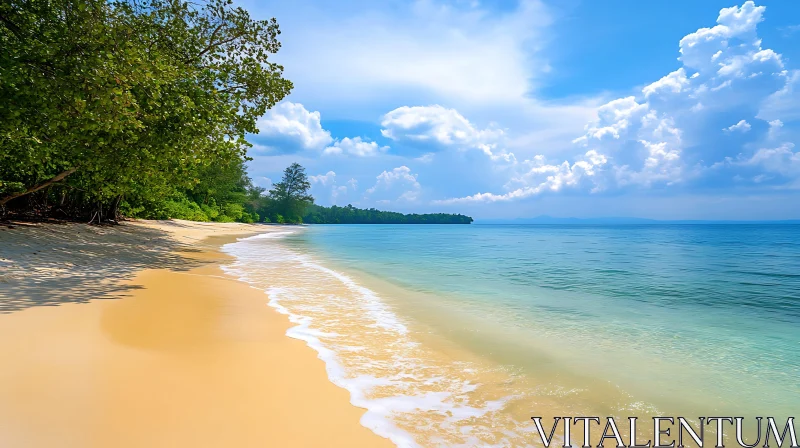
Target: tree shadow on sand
48 265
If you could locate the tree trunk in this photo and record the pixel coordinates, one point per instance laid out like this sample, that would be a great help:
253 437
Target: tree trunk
116 209
58 178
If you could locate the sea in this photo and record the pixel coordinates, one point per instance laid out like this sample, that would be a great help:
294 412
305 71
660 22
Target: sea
456 335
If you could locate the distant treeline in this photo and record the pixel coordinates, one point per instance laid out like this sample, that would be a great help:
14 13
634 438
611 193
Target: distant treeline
316 214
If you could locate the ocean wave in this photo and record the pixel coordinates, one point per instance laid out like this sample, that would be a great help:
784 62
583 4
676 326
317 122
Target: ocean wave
268 235
410 396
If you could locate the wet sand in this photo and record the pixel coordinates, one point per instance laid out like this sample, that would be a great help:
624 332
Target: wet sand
179 355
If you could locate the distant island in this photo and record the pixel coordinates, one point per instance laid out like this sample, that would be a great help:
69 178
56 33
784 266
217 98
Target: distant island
545 219
316 214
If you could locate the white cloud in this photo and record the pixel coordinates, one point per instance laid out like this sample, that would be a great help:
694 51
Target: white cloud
665 134
645 139
774 128
355 146
614 119
777 167
788 31
326 179
781 160
422 46
485 62
400 179
425 158
645 144
674 82
326 183
542 177
263 182
783 104
291 121
741 126
289 126
434 123
704 48
443 127
661 165
338 191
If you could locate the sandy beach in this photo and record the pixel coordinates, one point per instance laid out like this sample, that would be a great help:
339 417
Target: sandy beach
133 336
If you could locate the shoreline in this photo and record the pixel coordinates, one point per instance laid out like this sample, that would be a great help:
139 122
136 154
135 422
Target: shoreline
417 393
188 355
500 381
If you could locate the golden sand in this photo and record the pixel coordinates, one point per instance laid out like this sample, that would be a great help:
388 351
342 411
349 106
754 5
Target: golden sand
185 356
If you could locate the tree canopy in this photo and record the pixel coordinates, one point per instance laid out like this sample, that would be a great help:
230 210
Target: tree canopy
128 104
290 196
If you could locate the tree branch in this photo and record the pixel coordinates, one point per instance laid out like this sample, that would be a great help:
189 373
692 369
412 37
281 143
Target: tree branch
232 88
217 44
57 178
12 27
211 40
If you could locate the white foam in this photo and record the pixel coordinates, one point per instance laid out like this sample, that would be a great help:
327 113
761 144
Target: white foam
384 318
254 257
267 235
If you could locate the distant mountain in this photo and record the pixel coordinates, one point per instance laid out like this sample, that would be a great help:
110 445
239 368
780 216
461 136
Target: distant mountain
544 219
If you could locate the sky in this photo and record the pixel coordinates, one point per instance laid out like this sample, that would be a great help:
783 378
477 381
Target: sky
509 109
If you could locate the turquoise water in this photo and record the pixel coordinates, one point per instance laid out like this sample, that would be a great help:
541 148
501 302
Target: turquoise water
685 319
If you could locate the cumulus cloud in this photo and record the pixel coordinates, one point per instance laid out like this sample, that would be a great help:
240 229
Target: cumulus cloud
741 126
263 182
442 127
675 82
708 49
777 167
783 103
326 184
774 128
614 119
323 179
781 160
356 147
399 182
541 177
289 127
291 124
667 135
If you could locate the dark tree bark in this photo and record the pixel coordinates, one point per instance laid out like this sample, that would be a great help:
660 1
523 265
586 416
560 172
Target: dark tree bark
57 178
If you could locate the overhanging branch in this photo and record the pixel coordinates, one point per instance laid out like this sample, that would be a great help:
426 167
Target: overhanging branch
57 178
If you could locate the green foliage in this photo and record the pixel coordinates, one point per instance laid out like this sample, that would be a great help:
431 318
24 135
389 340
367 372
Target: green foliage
183 208
250 218
351 215
289 197
131 106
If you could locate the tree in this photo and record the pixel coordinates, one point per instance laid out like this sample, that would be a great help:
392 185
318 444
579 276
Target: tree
290 196
109 104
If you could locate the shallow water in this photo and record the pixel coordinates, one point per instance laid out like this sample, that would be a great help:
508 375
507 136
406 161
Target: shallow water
456 335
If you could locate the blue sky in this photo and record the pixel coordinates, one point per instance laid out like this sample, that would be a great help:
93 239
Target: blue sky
503 109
